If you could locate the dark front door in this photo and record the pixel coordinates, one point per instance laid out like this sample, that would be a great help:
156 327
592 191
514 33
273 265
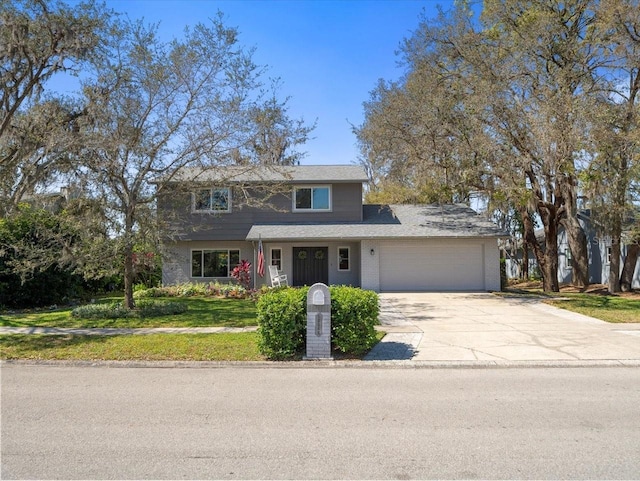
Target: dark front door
310 265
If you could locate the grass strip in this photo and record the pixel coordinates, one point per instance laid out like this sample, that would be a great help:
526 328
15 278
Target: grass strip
152 347
608 308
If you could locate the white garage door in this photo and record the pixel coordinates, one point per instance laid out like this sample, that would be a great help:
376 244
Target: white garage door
452 265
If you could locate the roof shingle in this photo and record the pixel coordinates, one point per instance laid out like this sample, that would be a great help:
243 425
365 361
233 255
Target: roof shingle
389 222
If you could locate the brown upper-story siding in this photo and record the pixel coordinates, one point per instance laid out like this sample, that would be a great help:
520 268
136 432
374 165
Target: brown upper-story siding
251 206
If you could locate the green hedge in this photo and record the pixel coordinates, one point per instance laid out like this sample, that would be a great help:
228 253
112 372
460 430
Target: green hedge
282 319
354 313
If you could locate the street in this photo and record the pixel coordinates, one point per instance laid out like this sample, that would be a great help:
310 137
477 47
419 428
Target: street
238 422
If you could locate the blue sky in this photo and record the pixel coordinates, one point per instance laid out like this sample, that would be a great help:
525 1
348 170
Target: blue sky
329 54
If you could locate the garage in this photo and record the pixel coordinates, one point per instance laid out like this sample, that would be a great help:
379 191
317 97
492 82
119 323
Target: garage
432 265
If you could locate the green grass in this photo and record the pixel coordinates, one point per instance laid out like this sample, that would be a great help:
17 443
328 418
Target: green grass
152 347
607 308
202 312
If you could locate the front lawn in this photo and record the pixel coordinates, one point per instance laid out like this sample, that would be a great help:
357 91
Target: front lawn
201 312
607 308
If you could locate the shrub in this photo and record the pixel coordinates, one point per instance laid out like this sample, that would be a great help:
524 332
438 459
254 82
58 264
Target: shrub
151 292
242 274
148 308
282 322
116 310
354 313
113 310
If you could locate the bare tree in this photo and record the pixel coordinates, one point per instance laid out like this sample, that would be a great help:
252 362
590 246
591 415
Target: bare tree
154 109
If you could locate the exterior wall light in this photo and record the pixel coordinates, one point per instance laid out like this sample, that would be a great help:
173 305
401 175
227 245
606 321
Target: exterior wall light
372 252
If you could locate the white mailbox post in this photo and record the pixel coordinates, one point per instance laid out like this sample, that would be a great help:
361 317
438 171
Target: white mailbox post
318 322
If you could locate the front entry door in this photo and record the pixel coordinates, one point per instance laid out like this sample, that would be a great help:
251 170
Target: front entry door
310 265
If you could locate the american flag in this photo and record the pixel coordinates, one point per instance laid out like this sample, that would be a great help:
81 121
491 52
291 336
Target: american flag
260 259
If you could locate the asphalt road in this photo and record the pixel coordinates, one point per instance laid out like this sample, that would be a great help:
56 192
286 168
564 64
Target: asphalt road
61 422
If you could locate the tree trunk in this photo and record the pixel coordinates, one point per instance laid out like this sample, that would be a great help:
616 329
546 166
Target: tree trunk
576 237
549 268
129 303
579 254
525 260
626 278
547 258
614 263
614 266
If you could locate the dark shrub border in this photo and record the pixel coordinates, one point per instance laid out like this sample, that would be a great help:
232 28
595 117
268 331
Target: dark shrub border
282 321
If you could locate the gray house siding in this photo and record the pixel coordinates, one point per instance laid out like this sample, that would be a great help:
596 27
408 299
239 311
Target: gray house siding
177 263
250 206
336 276
598 252
594 251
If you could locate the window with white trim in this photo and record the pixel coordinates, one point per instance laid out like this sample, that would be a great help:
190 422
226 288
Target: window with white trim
214 263
567 258
608 254
276 258
216 199
344 259
312 198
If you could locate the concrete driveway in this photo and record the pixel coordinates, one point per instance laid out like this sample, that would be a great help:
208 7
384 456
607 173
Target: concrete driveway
486 327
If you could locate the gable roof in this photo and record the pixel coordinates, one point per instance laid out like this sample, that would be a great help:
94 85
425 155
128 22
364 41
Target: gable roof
271 173
389 222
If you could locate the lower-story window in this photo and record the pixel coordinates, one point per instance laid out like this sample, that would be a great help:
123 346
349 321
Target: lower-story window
343 259
213 263
276 258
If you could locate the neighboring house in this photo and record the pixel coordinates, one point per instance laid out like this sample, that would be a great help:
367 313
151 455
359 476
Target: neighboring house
598 248
312 225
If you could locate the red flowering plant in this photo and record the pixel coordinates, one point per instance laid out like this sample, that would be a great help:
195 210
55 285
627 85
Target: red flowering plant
242 274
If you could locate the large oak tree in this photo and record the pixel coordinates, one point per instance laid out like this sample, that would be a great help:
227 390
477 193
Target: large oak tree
501 104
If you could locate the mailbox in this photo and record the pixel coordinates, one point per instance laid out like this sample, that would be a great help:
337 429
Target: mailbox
318 298
318 322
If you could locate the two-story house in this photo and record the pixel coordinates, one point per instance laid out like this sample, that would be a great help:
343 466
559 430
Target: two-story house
311 223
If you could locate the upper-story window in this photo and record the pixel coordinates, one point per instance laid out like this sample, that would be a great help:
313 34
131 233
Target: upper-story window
312 198
212 200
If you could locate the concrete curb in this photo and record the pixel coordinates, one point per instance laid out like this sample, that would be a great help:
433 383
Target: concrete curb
326 364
